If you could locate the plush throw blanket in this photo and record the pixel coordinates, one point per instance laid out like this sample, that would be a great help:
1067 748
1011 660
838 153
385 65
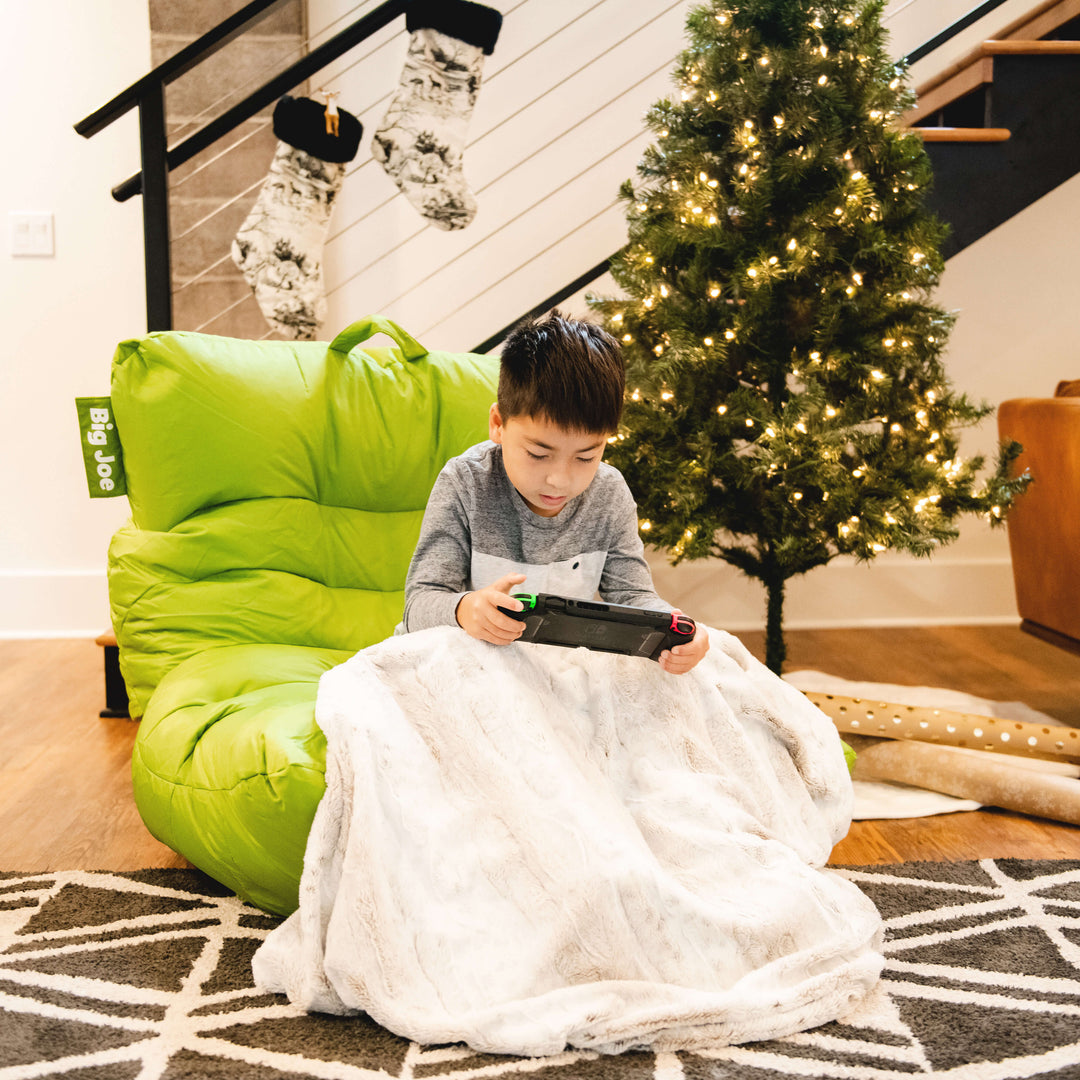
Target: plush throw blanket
527 848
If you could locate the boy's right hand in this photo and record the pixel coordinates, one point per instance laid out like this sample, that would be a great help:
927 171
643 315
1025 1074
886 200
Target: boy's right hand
478 612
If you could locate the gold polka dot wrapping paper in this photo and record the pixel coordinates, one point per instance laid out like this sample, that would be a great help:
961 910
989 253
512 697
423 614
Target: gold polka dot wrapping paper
888 720
1029 768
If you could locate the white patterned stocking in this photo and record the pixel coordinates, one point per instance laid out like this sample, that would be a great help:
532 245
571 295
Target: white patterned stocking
279 247
422 137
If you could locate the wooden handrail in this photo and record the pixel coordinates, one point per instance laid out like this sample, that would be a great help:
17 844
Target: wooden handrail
965 135
1030 48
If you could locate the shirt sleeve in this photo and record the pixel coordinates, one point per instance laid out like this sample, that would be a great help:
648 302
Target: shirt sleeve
626 578
440 571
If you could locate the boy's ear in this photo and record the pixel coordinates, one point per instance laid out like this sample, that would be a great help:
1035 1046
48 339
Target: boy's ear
495 423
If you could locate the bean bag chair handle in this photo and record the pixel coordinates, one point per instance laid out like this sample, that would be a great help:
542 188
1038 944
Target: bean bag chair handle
362 329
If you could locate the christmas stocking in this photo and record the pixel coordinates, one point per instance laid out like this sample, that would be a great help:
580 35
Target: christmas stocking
422 136
279 247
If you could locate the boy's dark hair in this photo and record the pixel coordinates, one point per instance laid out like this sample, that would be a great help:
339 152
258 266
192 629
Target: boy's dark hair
568 371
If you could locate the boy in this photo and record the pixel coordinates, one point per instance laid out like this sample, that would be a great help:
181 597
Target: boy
534 509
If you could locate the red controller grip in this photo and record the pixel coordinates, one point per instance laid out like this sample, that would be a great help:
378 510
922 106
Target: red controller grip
681 624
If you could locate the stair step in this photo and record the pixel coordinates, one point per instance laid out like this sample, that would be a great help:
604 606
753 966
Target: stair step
979 70
979 185
977 67
932 98
959 134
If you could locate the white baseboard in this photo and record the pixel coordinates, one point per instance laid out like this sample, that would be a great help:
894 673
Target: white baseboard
893 592
911 620
53 603
903 592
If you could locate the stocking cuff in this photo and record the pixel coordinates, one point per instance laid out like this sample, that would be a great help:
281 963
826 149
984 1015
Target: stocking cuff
476 24
301 122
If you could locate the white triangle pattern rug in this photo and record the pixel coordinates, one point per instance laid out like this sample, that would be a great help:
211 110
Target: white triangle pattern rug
147 976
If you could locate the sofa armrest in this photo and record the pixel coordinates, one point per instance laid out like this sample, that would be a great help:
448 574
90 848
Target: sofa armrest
1044 524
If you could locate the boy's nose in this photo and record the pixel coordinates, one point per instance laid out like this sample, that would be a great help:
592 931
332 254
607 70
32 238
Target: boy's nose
557 477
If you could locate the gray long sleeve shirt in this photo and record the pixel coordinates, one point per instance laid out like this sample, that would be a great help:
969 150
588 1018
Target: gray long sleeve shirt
477 529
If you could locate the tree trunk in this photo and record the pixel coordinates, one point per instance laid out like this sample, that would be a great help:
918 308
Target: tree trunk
775 649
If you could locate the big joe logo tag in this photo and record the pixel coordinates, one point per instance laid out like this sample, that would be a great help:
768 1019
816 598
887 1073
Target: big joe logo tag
102 454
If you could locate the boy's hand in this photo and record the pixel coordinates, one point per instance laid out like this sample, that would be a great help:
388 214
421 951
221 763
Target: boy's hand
479 616
680 659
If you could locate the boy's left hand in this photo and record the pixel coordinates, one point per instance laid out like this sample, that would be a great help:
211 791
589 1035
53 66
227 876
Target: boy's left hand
682 658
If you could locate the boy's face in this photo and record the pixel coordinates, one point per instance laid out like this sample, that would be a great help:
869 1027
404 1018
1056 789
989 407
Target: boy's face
547 464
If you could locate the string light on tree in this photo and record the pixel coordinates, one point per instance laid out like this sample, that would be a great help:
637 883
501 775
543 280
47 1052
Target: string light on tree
791 385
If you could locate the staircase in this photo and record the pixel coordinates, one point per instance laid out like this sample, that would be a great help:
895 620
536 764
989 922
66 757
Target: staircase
1000 124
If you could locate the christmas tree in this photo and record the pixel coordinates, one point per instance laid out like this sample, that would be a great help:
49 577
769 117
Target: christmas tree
787 401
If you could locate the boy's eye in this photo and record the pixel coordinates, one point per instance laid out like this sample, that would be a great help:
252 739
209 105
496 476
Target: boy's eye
536 457
586 460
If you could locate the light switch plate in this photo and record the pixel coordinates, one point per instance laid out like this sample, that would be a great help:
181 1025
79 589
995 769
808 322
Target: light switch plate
31 232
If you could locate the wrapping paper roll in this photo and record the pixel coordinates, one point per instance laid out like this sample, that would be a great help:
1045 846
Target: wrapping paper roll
888 720
1050 792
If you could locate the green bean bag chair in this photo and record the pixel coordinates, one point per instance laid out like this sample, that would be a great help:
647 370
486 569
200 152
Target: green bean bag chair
276 492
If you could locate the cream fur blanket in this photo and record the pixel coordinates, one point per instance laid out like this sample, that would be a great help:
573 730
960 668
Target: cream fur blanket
527 848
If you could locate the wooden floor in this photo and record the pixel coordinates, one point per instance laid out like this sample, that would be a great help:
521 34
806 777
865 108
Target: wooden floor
65 787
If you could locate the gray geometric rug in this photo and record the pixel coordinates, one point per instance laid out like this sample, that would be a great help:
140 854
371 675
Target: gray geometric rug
146 976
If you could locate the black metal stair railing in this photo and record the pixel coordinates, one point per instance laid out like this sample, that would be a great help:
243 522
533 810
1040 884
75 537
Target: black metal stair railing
950 31
157 159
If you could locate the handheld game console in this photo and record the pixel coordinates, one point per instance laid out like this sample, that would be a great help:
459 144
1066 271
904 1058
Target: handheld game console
616 628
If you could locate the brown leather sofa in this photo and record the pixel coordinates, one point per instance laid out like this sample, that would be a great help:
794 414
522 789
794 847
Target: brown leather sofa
1044 523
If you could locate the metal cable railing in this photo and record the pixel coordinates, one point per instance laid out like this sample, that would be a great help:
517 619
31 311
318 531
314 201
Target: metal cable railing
263 74
270 91
580 121
203 165
539 202
961 24
158 159
221 263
